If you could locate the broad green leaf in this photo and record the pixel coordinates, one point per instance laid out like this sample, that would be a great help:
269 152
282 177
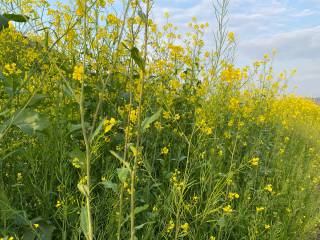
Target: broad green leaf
141 209
123 174
136 56
83 189
84 221
36 99
149 120
16 17
30 121
110 185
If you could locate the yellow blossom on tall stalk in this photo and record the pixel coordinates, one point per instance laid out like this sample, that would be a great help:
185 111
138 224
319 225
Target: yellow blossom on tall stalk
185 228
164 150
254 161
227 209
109 124
78 72
170 226
231 37
268 188
260 209
35 225
233 195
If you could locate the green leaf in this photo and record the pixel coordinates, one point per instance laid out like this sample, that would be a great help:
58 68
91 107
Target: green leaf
143 224
77 127
84 221
83 189
120 159
143 16
4 22
16 17
123 174
141 209
36 99
149 120
110 185
30 121
136 56
97 131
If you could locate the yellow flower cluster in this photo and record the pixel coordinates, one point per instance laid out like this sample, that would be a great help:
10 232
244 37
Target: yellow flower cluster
11 69
227 209
233 195
78 73
109 124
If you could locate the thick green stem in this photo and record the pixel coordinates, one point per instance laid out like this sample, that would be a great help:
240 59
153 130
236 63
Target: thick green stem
139 135
89 234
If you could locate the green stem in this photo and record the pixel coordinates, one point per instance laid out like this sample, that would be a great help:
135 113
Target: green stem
139 135
89 234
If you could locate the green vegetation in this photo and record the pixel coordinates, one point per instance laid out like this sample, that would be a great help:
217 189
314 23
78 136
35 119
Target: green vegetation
112 127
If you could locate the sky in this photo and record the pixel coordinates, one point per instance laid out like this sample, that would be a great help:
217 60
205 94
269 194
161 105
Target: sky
292 27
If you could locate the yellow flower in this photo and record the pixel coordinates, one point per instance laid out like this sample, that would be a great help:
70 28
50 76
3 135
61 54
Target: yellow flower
208 130
229 181
261 119
281 151
212 238
113 20
35 225
58 204
109 124
231 37
185 228
266 226
19 177
166 115
78 73
133 115
170 226
158 126
233 195
234 104
195 199
164 151
11 238
254 161
176 117
10 69
227 209
268 188
260 209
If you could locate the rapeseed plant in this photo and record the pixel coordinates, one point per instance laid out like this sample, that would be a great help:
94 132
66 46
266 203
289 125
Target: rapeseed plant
114 127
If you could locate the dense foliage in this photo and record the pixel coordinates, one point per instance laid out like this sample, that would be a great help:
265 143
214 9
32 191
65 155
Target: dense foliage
112 127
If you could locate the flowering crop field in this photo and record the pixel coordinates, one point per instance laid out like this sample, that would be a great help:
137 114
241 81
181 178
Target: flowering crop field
114 127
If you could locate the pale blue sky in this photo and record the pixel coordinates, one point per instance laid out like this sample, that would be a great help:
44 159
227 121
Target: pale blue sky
290 26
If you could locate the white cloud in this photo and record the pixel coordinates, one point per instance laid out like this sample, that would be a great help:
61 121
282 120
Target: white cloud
262 26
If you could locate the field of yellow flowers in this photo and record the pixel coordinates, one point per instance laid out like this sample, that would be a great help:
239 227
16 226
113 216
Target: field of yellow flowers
114 127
